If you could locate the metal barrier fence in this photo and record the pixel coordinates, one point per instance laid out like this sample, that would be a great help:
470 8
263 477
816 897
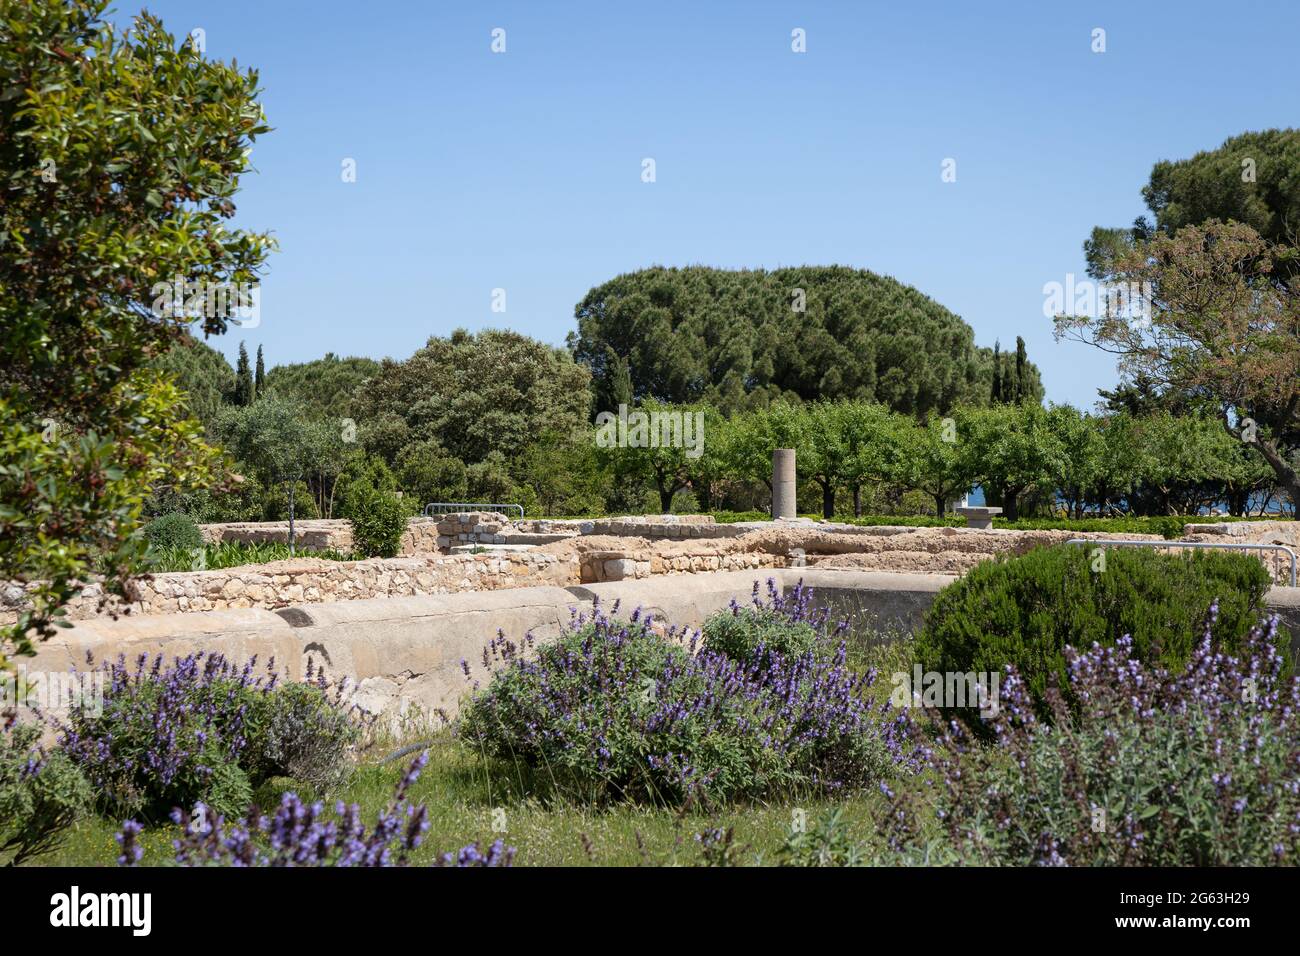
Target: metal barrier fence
1191 544
451 507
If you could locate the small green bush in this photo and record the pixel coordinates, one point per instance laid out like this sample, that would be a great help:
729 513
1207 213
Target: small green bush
233 554
740 632
301 733
612 709
378 521
1025 610
826 843
1193 766
173 531
203 730
275 503
42 793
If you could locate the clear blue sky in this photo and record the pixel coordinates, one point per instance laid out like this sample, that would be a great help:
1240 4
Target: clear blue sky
522 170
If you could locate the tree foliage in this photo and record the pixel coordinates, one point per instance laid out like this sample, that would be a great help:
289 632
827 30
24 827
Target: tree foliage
735 339
476 394
121 154
1223 331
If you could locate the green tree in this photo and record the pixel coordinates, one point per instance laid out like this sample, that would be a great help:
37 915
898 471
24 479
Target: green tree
738 339
475 394
665 456
931 460
996 393
749 439
872 437
121 155
1077 470
202 373
259 376
1223 332
565 473
245 392
1024 387
1012 450
326 386
426 472
279 442
1253 179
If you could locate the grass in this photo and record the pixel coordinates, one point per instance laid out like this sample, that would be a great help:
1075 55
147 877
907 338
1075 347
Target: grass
232 554
465 797
466 794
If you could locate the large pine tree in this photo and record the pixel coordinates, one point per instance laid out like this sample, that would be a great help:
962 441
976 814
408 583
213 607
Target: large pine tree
259 377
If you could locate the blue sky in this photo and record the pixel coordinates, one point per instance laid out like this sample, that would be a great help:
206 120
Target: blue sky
522 170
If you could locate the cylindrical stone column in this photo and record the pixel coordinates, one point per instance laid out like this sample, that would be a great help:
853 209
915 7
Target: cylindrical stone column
783 484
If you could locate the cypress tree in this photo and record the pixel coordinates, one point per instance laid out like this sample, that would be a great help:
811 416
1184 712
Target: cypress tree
996 395
614 386
1022 361
243 379
259 378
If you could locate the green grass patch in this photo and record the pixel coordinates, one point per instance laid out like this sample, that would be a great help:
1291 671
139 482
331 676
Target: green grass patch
232 554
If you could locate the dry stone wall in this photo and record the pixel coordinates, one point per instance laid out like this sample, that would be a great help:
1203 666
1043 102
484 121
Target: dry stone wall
278 584
505 554
319 534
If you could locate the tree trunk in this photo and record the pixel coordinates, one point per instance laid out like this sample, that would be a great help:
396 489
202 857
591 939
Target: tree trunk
857 501
940 505
828 500
704 493
1011 505
1286 475
291 491
666 499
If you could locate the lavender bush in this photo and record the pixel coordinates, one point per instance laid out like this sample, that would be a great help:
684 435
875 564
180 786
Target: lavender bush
203 730
624 709
41 793
299 834
1199 767
788 627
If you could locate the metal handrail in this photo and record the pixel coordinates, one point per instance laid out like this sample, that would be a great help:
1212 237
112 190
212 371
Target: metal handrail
451 507
1192 544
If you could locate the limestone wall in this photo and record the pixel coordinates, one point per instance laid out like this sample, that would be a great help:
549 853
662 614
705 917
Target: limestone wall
570 558
278 584
319 534
403 655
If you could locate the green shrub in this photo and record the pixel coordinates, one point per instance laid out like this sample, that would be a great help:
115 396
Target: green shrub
42 793
301 733
826 843
780 625
1025 610
234 554
275 503
173 531
612 709
1188 767
202 730
378 521
740 632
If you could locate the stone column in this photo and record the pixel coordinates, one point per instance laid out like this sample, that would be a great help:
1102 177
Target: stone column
783 484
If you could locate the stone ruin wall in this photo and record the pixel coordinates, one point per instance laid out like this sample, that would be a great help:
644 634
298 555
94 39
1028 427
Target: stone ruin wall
483 552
